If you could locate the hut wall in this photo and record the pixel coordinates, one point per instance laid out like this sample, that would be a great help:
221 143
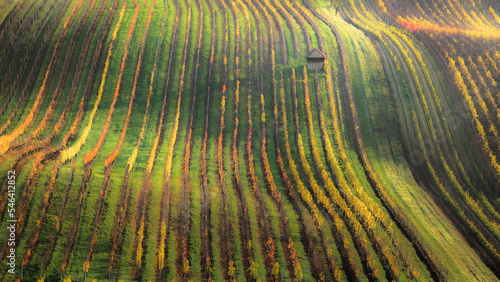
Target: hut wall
315 65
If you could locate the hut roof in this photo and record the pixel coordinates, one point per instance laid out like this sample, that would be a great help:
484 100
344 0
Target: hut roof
316 54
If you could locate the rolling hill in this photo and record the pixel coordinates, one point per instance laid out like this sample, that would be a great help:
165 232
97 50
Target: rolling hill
190 140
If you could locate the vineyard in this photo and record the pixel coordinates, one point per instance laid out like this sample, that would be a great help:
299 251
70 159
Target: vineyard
187 140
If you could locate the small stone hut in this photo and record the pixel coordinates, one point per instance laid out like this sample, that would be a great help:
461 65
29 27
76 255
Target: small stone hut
315 60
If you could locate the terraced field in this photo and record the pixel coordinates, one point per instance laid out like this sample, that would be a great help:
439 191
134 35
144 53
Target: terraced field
186 140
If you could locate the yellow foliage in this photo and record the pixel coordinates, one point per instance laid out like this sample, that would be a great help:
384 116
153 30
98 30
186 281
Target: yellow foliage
138 257
298 272
231 269
253 270
275 270
73 150
185 266
86 266
381 6
161 248
495 16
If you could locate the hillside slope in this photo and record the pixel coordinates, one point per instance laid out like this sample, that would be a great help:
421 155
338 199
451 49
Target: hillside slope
186 140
